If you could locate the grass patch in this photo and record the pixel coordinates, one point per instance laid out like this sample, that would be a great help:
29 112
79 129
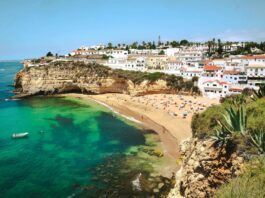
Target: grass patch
250 184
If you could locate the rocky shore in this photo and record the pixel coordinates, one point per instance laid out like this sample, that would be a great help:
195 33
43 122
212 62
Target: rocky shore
205 167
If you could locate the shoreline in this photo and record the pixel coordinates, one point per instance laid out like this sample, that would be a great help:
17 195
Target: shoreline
168 142
171 130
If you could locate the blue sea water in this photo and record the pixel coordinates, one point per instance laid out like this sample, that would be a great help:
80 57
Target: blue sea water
74 148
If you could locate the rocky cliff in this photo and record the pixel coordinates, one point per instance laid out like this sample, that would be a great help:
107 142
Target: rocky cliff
205 167
63 77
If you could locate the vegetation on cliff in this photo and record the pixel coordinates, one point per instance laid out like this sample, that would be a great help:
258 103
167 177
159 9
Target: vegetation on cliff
238 123
205 124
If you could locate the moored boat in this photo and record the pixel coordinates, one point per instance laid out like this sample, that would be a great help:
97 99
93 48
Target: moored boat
20 135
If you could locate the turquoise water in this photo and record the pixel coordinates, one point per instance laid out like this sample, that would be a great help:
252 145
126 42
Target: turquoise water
73 149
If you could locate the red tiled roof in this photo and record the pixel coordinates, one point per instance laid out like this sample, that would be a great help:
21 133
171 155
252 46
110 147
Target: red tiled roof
231 72
254 57
211 68
235 89
218 81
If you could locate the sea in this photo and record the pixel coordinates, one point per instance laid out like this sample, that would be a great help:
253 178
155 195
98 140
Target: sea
75 148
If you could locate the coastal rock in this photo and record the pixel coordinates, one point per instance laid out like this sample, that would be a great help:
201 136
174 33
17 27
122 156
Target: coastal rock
78 77
205 167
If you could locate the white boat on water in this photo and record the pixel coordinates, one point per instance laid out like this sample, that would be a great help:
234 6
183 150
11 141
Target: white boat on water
20 135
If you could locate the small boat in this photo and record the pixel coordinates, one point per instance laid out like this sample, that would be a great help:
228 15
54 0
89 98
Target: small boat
20 135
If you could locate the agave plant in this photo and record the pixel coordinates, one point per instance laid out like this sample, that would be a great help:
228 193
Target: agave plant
221 135
260 93
258 140
235 120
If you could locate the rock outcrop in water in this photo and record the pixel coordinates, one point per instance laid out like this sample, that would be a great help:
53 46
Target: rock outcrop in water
205 168
63 77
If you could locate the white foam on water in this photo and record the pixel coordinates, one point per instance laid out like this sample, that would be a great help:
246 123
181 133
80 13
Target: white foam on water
110 108
136 183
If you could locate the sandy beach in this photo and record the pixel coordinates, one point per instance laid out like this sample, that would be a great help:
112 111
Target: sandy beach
168 114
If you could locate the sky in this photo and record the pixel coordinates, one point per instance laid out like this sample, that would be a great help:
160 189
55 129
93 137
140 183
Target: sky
31 28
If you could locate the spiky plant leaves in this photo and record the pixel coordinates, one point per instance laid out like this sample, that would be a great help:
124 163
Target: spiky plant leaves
235 120
222 135
258 140
260 93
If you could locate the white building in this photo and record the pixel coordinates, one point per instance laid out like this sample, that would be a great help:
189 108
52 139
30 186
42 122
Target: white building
189 73
132 63
256 74
214 88
218 89
144 52
115 53
235 77
171 51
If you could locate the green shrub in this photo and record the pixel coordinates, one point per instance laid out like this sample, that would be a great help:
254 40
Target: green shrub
256 114
204 124
154 76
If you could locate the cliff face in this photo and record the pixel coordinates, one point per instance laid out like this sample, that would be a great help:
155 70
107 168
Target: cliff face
204 169
66 77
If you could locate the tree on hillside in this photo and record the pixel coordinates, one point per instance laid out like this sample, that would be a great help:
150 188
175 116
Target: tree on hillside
105 57
184 42
110 46
134 45
153 45
162 52
220 48
144 44
174 44
214 44
195 79
49 54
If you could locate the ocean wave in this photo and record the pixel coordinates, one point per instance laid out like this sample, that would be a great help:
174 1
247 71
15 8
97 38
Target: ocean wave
10 99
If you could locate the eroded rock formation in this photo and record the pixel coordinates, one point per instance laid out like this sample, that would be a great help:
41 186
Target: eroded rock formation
63 77
205 168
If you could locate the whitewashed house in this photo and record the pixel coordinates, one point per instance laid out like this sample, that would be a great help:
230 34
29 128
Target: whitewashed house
214 88
256 74
235 77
